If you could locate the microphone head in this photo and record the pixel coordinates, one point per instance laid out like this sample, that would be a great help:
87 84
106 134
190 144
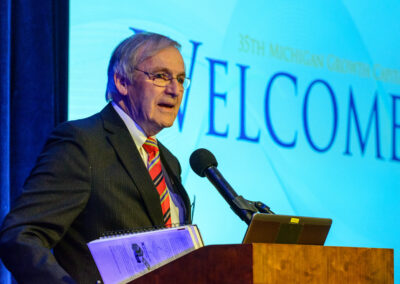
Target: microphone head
202 159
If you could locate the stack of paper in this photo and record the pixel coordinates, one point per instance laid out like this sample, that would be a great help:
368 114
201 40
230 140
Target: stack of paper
122 258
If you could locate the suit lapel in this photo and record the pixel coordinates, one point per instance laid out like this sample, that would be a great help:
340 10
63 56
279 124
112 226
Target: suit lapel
122 142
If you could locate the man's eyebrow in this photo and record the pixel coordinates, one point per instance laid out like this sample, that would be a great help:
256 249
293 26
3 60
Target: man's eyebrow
166 70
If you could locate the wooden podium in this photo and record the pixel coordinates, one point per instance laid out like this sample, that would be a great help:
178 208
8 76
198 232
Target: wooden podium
276 263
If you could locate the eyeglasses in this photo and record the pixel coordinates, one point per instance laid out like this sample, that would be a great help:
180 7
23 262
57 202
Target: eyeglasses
162 79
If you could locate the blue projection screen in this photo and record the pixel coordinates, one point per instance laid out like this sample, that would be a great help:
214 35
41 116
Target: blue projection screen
298 100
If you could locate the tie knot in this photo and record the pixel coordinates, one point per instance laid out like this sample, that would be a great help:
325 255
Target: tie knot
150 146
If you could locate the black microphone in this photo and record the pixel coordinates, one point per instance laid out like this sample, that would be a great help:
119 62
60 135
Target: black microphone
204 163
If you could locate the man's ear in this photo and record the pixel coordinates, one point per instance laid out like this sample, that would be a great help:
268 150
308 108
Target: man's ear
121 83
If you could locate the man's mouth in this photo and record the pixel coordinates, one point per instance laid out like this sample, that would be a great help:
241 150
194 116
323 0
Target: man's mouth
166 105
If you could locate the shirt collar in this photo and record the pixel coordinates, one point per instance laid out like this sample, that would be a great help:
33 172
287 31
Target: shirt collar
137 133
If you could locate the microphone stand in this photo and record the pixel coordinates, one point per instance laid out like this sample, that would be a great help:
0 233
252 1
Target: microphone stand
250 208
262 208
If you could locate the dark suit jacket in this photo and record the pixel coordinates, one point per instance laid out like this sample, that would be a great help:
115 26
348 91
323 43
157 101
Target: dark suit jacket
88 180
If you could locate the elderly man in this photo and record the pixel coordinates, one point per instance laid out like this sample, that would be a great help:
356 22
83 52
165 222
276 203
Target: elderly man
104 173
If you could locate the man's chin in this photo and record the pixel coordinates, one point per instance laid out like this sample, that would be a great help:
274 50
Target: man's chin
157 127
167 120
167 124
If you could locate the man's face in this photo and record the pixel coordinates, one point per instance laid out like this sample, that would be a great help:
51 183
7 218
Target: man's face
154 107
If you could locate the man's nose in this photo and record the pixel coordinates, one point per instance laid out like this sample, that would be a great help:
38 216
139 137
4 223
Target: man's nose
173 87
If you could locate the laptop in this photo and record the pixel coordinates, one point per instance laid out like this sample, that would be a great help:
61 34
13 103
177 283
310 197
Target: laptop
285 229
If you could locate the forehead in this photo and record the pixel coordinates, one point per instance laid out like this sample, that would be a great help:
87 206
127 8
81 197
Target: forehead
166 59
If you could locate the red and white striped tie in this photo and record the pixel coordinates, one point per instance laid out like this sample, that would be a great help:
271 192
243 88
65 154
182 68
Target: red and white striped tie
155 170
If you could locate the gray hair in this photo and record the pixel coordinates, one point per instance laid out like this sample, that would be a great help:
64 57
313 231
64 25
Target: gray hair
130 53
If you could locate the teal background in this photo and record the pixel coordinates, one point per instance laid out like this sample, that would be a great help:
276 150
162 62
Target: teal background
309 40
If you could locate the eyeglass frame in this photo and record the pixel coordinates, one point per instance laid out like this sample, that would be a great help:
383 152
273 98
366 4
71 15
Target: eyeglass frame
152 77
